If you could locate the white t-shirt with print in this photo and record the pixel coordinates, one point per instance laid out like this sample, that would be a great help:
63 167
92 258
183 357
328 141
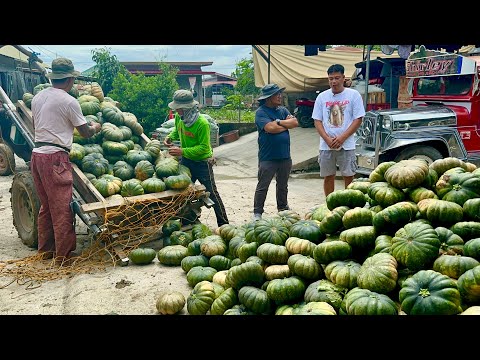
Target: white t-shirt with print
337 112
55 115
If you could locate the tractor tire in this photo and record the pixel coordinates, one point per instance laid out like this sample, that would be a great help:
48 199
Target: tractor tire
428 153
25 207
7 160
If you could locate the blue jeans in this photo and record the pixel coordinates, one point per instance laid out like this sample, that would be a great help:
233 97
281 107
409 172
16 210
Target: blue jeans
203 172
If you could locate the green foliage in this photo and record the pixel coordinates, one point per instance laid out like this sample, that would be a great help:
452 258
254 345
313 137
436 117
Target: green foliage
147 96
106 69
245 74
225 115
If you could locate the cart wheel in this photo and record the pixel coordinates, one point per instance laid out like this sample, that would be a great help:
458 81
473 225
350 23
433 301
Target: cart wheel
25 207
7 160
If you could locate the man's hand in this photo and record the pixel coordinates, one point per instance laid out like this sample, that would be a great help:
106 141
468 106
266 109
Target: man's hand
167 142
97 127
175 150
337 142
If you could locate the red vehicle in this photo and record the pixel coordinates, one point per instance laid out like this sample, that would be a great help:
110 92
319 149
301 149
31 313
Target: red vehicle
443 121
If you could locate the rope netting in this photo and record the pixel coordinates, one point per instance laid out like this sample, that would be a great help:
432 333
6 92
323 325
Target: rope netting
125 228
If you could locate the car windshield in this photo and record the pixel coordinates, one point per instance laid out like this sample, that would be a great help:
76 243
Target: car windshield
445 85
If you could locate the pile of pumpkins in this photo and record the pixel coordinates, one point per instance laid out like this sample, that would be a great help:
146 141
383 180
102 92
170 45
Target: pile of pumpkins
114 160
405 240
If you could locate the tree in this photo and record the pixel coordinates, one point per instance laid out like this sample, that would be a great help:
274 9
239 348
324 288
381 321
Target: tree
245 75
146 96
107 68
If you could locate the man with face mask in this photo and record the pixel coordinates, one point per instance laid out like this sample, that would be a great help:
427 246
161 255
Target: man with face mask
193 131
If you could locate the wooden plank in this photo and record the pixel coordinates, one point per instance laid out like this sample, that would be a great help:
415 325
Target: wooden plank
85 188
112 203
144 139
26 114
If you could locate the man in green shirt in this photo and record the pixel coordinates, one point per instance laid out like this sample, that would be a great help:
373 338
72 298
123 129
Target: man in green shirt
193 131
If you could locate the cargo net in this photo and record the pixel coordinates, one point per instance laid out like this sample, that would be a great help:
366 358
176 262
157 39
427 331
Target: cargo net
125 228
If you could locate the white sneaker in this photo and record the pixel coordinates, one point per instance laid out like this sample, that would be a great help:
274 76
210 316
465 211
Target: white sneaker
257 217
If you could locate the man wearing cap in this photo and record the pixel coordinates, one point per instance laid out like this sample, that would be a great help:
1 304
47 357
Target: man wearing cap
273 123
193 131
55 115
337 115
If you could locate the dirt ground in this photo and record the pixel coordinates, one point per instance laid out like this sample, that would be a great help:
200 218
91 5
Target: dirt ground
132 289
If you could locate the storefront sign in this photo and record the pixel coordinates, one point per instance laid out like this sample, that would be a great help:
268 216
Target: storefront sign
434 66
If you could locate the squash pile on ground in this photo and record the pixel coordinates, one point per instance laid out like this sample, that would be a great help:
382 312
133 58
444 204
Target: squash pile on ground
406 240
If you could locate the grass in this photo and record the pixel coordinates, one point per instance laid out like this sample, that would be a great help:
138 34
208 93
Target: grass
227 116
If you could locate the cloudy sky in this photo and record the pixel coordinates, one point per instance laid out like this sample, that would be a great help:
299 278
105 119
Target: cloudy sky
224 57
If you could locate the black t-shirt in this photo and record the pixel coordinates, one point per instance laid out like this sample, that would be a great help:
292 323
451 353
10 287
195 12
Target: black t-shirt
272 146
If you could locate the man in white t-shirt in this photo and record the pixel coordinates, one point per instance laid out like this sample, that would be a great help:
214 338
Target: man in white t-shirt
55 115
338 113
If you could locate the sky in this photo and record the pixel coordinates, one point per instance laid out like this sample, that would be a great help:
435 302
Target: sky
224 57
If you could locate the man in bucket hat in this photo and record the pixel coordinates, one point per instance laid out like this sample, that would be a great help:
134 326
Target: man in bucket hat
273 123
193 131
56 114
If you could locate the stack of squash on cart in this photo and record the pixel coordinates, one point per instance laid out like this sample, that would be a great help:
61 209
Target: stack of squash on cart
114 159
405 240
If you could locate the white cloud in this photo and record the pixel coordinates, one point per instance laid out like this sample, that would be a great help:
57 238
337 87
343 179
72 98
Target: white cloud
224 57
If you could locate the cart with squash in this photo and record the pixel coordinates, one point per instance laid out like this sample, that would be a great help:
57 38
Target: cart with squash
117 222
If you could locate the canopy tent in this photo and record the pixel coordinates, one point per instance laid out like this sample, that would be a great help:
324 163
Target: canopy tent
290 68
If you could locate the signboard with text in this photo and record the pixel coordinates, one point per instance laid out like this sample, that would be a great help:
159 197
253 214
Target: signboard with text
439 65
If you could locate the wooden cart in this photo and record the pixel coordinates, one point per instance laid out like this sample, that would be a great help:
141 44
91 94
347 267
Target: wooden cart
90 206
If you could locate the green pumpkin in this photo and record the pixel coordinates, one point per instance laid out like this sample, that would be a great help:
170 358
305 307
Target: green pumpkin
305 267
239 309
450 243
469 285
93 148
307 229
347 197
255 299
123 170
200 231
332 222
194 247
179 237
272 230
248 273
385 194
444 213
245 250
458 188
170 302
143 170
277 272
295 245
220 262
114 148
407 173
420 193
201 298
394 216
154 147
77 153
472 248
343 273
200 273
177 182
442 165
358 216
167 167
366 302
289 217
111 132
134 156
325 290
428 292
172 255
170 226
153 185
127 133
286 290
131 121
95 164
383 244
89 107
108 185
224 302
416 245
142 256
113 115
213 245
191 261
378 273
315 308
359 185
131 187
272 253
471 209
377 175
466 229
454 265
331 250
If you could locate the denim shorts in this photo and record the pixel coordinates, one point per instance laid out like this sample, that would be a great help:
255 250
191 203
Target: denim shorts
345 159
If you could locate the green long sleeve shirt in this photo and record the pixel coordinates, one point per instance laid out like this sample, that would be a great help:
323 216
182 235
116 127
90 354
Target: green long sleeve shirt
194 140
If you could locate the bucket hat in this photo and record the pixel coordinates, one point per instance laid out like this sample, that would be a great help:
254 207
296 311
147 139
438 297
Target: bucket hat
182 99
269 90
62 68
